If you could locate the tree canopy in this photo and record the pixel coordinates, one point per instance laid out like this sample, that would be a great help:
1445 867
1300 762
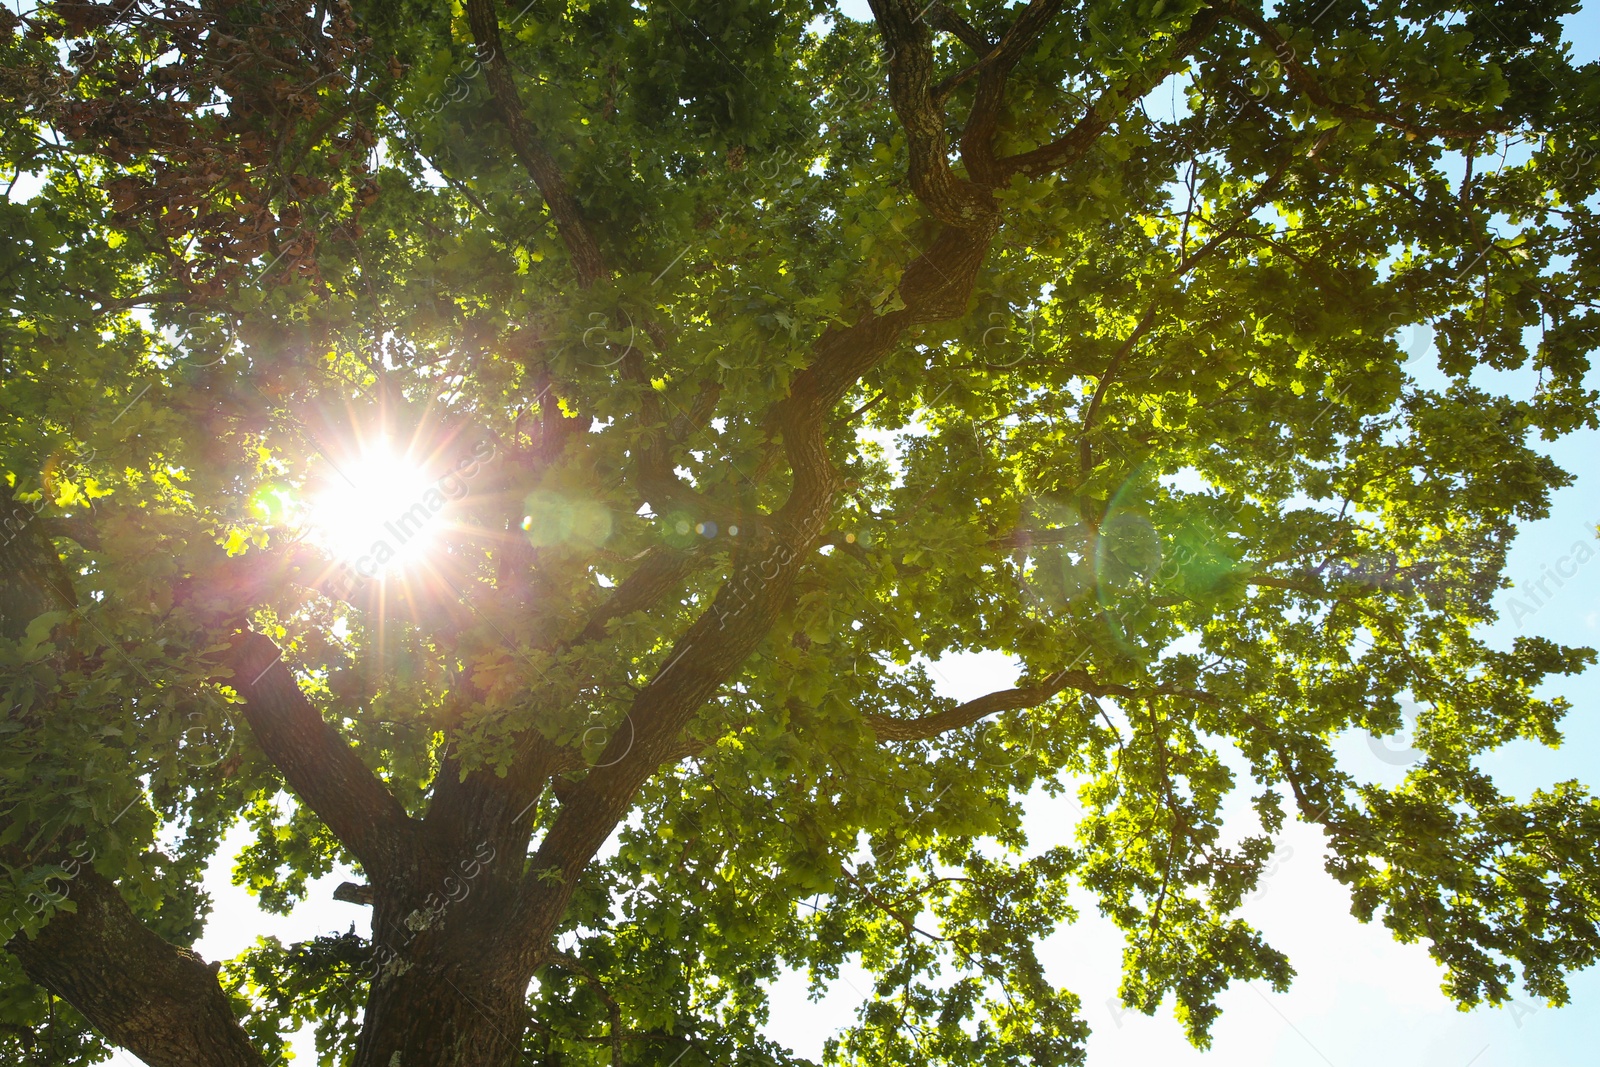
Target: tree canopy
534 455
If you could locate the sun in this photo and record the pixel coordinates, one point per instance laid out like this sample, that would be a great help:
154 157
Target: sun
375 511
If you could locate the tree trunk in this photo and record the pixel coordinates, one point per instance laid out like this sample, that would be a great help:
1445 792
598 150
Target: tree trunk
447 986
450 1015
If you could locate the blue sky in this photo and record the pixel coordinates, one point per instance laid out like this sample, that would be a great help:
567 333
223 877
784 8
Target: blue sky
1359 997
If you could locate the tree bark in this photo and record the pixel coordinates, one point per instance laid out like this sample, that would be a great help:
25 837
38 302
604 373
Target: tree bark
447 987
158 1001
434 1015
316 761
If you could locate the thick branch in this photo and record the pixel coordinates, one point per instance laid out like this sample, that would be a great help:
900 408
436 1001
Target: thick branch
697 664
943 18
977 139
315 760
936 285
953 201
158 1001
661 571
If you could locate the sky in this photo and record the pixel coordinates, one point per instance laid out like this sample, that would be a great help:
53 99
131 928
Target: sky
1359 997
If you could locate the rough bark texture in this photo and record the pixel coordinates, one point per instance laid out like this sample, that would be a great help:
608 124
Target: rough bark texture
443 1013
314 759
158 1001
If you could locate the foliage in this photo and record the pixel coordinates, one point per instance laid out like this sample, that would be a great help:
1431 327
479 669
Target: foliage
1134 390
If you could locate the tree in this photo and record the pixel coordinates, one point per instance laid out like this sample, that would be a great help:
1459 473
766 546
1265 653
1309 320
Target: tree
625 704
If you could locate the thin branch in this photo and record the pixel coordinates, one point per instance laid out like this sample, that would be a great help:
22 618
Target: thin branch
889 728
571 963
1085 448
1074 145
1306 82
531 150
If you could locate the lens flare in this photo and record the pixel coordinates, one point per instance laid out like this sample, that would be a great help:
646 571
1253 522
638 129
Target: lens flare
378 507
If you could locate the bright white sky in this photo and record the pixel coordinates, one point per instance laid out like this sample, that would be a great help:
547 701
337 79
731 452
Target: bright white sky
1359 998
